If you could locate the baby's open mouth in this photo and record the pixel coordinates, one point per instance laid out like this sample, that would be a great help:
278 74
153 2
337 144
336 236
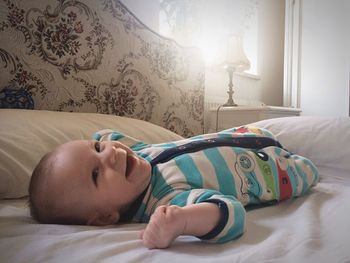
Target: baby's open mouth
130 163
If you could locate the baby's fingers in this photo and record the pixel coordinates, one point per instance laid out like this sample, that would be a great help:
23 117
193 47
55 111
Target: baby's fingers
150 239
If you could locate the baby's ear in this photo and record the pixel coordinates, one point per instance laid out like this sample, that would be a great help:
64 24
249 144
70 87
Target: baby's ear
103 219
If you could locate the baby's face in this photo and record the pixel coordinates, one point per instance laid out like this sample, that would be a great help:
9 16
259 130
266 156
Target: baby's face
94 177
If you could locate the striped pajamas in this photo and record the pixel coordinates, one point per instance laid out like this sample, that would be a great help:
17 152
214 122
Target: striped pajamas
233 168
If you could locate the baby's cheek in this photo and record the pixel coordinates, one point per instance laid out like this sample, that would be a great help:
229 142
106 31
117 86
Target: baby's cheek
148 167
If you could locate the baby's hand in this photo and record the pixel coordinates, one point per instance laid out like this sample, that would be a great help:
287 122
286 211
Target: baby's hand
166 224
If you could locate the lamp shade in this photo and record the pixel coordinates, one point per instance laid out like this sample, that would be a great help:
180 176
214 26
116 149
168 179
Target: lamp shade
235 56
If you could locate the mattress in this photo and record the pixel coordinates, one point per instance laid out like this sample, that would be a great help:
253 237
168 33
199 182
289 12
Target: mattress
311 228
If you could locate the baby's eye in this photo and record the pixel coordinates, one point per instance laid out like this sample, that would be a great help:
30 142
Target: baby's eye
97 146
94 176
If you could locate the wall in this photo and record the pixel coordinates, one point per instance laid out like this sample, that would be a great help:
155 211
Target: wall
146 11
271 51
324 64
267 87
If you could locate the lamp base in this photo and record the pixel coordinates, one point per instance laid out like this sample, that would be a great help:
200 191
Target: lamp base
230 102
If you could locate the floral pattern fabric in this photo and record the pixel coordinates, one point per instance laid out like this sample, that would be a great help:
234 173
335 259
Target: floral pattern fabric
95 56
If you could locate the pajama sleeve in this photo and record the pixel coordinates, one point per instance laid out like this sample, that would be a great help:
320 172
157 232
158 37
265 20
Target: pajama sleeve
232 219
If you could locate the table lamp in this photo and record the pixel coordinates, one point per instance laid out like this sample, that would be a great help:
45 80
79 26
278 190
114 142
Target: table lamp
236 61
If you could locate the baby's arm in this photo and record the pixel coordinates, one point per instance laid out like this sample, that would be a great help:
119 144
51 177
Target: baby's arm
169 222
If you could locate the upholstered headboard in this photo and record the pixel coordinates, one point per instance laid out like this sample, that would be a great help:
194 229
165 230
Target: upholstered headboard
96 56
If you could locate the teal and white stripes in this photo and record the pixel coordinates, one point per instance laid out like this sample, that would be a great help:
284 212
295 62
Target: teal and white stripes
231 177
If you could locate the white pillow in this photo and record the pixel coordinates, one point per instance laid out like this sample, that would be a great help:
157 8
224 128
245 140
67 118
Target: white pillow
26 135
323 140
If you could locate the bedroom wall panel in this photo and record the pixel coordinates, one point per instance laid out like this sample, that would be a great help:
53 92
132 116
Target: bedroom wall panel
96 56
324 80
320 65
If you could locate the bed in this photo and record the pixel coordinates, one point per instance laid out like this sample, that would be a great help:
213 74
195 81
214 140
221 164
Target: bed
312 228
70 68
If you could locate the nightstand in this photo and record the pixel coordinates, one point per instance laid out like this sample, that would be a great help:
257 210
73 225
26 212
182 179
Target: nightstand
229 117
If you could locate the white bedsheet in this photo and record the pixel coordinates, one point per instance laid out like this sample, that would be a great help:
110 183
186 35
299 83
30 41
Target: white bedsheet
312 228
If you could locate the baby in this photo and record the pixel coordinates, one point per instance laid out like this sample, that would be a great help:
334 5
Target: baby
197 186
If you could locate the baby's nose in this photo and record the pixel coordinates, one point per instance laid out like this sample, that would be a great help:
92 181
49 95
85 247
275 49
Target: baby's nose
118 150
115 155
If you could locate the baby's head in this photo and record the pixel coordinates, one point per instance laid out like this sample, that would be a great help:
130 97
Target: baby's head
87 182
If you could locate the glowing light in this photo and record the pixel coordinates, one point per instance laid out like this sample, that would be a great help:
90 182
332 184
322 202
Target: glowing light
210 49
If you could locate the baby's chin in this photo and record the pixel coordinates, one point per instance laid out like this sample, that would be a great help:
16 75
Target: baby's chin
141 173
146 170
